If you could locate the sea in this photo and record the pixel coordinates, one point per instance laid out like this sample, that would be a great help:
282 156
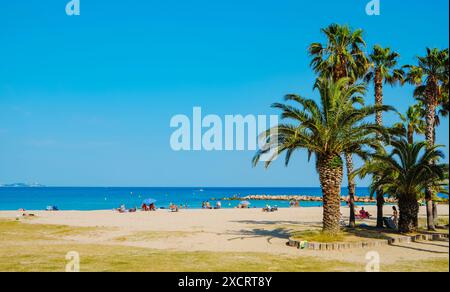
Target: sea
108 198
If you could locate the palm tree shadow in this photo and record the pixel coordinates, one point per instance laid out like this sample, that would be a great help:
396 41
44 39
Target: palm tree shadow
280 223
420 249
371 233
280 233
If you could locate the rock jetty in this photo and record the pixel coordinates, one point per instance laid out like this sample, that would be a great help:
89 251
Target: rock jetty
300 198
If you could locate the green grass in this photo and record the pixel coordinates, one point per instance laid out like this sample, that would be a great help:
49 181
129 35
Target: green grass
432 265
442 221
154 235
318 236
31 247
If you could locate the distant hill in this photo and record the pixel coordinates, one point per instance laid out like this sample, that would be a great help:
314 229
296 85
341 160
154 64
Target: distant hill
22 185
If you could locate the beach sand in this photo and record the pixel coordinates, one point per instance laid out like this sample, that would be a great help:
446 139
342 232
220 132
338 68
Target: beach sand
226 230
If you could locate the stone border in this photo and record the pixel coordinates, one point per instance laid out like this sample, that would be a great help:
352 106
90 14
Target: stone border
365 244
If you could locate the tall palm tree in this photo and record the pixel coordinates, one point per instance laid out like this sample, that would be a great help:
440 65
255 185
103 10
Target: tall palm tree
341 57
326 130
405 173
382 70
343 54
430 77
413 122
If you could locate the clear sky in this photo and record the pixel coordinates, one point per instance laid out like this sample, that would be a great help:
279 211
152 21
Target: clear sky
87 100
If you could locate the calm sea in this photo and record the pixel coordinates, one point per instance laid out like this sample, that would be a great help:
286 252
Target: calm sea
84 199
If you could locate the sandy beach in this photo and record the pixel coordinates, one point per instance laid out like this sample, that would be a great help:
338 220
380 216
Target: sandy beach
227 230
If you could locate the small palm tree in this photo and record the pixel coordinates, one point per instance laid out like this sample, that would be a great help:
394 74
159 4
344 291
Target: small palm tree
412 123
430 77
405 173
326 130
341 57
382 70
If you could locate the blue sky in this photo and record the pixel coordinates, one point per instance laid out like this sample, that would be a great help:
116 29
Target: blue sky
87 100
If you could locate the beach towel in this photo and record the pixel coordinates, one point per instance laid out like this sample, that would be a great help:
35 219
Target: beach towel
389 223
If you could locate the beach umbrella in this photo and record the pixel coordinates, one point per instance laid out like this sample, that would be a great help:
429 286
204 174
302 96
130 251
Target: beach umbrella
245 203
149 201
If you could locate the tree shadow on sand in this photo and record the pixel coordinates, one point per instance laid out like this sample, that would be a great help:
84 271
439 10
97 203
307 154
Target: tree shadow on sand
279 233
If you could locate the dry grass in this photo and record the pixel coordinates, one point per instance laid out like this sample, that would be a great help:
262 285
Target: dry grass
31 247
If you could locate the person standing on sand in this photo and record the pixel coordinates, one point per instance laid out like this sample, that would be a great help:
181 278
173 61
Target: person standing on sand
395 216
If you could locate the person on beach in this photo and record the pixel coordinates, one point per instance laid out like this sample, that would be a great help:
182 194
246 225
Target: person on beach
173 208
395 216
152 207
218 205
364 214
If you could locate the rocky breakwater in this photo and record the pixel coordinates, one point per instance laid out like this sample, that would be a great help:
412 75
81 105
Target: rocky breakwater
302 198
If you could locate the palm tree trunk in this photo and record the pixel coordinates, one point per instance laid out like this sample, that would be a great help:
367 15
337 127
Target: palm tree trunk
379 120
410 134
380 206
331 173
409 214
435 214
435 209
351 189
430 130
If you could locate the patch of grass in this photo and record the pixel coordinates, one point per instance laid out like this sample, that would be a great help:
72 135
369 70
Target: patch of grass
118 258
31 248
431 265
318 236
442 221
20 232
156 235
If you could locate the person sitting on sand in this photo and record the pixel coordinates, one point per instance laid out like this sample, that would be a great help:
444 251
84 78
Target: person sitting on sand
208 205
364 214
218 205
122 209
144 207
173 208
152 207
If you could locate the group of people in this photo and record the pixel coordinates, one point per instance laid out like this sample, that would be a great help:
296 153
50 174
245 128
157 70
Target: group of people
269 208
147 208
390 222
207 205
123 209
294 204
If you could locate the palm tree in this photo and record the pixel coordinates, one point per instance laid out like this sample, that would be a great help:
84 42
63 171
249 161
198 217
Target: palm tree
327 131
430 77
382 70
413 122
342 56
405 173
